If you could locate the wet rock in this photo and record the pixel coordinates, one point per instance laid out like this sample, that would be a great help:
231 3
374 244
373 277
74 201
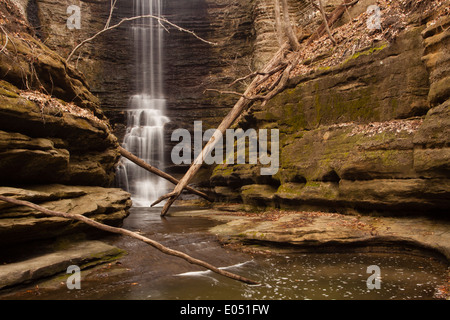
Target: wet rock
21 224
315 231
56 262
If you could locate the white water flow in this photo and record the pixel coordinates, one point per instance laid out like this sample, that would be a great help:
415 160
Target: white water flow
145 114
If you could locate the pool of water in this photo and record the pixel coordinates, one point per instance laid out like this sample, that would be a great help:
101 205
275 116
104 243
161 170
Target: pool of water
145 273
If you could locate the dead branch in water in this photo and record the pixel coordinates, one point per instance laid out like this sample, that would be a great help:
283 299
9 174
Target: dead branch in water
162 174
131 234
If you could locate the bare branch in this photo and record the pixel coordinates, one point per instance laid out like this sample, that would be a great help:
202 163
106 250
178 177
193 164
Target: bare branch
252 98
325 20
295 45
162 20
128 233
350 3
7 39
278 24
113 6
258 73
162 174
334 16
164 197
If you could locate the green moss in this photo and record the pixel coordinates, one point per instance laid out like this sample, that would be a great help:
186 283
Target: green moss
8 90
359 105
223 170
394 105
323 68
312 184
365 53
291 188
101 258
294 116
269 116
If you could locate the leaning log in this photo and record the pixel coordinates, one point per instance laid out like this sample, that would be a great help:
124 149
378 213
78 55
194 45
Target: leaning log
237 110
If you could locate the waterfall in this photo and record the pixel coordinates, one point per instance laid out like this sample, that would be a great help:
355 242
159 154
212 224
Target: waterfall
145 113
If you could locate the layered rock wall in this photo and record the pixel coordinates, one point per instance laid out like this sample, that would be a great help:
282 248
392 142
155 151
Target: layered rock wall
57 148
368 135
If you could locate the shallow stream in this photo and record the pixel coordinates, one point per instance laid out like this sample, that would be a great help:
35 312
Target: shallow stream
145 273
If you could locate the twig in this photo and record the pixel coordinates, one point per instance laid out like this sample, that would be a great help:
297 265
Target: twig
258 73
251 98
350 3
7 39
113 6
334 16
131 234
162 20
325 21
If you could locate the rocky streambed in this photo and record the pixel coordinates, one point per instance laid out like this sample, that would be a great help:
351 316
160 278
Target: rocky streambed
294 255
322 232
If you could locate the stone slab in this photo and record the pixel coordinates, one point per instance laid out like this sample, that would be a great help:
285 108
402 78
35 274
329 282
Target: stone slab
80 254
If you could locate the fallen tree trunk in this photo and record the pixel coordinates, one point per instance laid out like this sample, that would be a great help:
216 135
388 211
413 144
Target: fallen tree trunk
238 108
131 234
162 174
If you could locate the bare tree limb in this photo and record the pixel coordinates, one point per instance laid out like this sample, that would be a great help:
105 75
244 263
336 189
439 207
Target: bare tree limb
131 234
113 6
7 39
251 98
162 20
350 3
334 16
238 108
278 24
325 20
162 174
258 73
295 45
164 197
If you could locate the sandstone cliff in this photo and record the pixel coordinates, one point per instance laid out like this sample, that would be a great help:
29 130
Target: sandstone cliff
369 134
56 146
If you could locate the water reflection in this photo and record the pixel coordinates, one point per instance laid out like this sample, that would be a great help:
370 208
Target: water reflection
145 273
315 276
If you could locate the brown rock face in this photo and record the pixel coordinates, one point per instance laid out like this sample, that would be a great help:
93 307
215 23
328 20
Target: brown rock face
53 136
369 135
42 144
377 122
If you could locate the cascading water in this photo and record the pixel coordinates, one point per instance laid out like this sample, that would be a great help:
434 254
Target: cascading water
145 125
